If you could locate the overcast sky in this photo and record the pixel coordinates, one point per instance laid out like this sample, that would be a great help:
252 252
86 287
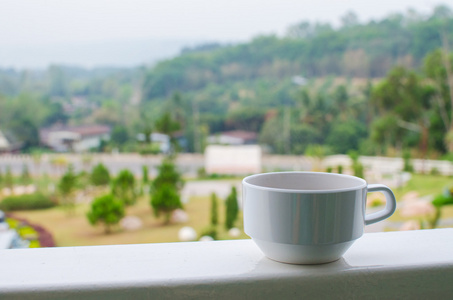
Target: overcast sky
50 22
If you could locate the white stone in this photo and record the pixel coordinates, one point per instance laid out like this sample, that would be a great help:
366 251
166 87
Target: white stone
234 232
179 216
187 234
131 223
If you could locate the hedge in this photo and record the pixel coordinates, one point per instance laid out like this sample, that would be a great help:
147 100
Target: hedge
26 202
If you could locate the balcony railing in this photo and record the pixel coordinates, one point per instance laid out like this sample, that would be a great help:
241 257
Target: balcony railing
396 265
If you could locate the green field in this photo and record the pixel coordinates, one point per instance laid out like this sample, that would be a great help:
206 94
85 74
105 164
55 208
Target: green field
424 185
74 230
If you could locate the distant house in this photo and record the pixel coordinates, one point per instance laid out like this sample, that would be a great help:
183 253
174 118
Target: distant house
76 139
8 143
236 137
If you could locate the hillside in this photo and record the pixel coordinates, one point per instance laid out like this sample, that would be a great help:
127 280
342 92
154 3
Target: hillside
310 50
354 87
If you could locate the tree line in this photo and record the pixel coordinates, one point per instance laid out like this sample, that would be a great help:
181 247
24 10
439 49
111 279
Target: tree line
372 87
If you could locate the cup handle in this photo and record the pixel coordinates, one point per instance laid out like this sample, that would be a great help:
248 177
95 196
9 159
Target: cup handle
390 204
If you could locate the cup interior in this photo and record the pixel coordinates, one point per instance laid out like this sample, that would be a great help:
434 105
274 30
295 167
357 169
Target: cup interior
305 182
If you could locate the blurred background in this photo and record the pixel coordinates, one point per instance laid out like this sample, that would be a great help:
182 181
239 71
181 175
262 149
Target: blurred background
135 122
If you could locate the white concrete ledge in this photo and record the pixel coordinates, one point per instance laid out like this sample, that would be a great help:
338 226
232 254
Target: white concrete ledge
398 265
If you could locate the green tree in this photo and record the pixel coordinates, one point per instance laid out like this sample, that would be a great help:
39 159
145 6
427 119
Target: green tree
120 135
214 210
25 176
232 209
66 186
166 124
145 175
8 180
438 66
357 166
345 136
106 210
123 187
165 190
444 199
100 175
407 164
318 152
22 116
404 96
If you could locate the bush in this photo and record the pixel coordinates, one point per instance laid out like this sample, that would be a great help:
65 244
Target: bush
107 210
408 167
434 171
232 209
26 202
123 187
149 149
100 175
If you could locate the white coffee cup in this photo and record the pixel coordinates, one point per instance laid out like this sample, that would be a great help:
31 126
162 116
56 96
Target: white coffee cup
308 217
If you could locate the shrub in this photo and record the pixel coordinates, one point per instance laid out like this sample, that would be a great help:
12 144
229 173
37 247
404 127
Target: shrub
123 187
107 210
26 202
435 171
407 167
100 175
214 210
145 175
149 149
232 209
28 233
165 188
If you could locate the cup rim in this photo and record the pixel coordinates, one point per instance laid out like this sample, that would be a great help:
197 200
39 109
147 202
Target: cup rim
300 191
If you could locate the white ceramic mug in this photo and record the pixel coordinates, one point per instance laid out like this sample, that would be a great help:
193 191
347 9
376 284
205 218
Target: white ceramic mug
308 217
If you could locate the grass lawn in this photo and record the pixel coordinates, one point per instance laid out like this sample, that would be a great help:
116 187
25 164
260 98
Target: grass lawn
424 185
74 230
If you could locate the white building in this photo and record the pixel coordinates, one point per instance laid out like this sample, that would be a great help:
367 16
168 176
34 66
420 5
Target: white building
4 143
7 143
235 160
77 139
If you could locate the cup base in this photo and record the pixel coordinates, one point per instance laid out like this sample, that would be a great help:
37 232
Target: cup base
303 254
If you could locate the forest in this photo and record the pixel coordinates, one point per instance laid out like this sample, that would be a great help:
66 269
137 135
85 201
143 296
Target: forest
384 87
